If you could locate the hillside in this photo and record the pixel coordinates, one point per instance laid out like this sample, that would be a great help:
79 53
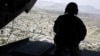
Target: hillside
38 24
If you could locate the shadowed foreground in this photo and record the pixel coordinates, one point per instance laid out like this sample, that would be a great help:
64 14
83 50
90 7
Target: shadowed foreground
90 53
35 48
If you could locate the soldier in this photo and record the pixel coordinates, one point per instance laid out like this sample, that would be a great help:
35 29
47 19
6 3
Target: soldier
70 30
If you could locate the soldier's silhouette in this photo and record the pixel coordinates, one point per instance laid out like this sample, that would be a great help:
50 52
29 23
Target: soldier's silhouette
70 30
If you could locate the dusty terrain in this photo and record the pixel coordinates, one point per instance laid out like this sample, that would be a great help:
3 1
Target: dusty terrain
37 25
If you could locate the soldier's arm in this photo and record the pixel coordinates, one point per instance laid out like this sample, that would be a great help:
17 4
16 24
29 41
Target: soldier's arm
55 28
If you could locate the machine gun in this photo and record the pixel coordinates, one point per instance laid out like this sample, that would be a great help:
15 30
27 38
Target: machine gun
9 10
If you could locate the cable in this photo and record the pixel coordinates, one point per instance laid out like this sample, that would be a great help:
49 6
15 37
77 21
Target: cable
10 32
14 5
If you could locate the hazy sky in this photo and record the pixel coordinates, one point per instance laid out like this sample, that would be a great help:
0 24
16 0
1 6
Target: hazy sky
93 3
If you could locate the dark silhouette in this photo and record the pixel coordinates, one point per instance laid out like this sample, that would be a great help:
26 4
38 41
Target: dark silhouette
70 30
